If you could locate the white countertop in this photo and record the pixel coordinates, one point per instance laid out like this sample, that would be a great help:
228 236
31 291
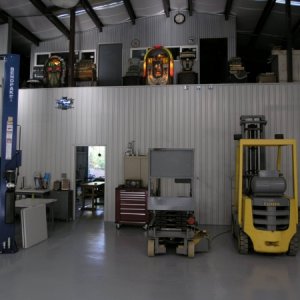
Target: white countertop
30 202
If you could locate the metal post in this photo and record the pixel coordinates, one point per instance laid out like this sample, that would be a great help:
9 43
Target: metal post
10 29
71 48
289 48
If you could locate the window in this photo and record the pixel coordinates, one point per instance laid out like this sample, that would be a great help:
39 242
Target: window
138 53
175 50
65 55
190 49
88 55
41 58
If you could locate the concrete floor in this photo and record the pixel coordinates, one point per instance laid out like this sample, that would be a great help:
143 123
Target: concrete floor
90 259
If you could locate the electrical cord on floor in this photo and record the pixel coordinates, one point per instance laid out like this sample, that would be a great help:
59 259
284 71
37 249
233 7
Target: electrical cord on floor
219 234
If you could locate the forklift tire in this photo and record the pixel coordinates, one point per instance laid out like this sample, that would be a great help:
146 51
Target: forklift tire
151 248
234 226
243 242
191 249
294 245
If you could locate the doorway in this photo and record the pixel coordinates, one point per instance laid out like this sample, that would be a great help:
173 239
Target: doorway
110 64
213 60
90 178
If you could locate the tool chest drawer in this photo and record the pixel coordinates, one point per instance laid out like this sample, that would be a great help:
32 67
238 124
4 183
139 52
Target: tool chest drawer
131 206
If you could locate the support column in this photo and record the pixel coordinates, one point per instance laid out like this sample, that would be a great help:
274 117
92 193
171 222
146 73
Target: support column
71 48
289 46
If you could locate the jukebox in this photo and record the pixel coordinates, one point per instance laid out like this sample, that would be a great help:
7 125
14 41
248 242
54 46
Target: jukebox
158 66
55 71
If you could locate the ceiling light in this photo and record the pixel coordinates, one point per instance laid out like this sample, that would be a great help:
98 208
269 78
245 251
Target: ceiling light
293 3
82 11
110 5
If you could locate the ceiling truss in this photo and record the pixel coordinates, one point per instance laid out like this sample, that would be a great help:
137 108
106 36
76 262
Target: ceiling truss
227 10
51 17
89 10
262 21
167 7
190 7
130 10
18 27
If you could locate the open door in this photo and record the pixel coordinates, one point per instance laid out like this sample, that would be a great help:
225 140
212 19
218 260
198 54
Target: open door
90 179
213 60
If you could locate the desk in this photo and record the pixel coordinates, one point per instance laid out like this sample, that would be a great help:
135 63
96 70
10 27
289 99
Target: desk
32 192
30 202
91 189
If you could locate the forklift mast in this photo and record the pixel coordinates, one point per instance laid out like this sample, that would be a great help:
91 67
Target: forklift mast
253 127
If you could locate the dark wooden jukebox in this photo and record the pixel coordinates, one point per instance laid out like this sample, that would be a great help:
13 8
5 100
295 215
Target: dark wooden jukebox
158 66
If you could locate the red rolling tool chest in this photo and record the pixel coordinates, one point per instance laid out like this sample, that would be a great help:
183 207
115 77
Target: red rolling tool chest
131 206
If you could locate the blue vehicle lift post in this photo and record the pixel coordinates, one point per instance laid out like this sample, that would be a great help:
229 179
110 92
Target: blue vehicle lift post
10 157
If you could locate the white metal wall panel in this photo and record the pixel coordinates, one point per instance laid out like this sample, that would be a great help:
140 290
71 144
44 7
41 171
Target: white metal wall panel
203 117
4 33
150 31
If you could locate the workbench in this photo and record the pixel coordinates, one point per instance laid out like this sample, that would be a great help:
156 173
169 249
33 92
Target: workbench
30 202
91 190
32 192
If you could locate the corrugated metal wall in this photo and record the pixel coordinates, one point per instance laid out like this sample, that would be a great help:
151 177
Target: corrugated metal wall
202 117
150 31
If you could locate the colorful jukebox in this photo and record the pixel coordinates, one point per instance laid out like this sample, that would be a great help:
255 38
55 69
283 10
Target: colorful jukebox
55 71
158 66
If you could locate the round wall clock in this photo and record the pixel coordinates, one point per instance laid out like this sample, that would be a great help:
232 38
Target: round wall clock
135 43
179 18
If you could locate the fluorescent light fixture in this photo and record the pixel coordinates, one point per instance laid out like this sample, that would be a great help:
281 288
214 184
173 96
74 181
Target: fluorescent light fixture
293 3
62 16
110 5
79 12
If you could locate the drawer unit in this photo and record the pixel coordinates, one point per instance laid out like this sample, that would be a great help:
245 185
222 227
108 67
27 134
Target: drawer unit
63 207
131 206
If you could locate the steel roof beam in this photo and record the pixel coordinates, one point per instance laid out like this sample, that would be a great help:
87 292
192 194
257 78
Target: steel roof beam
90 11
51 17
167 7
227 10
190 7
262 21
130 10
296 27
18 27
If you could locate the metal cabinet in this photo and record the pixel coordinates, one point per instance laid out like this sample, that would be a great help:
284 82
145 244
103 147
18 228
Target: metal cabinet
131 206
63 207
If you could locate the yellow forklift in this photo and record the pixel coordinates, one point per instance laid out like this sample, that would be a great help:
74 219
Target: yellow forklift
265 208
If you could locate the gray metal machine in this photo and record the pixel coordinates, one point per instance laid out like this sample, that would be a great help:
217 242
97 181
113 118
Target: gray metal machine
172 216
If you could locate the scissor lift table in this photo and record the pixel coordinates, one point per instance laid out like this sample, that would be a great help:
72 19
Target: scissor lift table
172 217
